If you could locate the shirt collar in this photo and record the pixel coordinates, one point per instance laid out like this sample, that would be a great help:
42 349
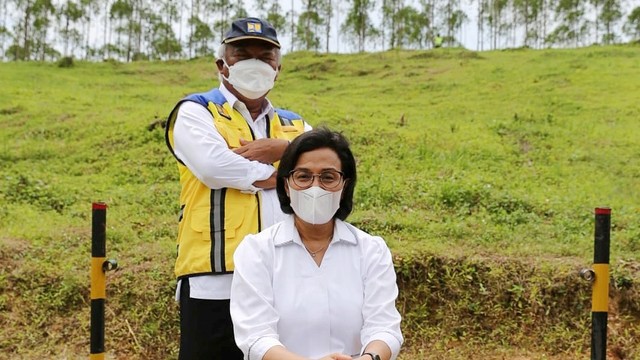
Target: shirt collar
237 104
287 233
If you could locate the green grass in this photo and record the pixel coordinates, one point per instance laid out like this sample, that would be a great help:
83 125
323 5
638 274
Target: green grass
491 163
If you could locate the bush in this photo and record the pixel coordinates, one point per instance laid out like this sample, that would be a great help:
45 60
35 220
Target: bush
65 62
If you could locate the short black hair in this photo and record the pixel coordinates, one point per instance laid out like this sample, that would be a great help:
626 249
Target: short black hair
312 140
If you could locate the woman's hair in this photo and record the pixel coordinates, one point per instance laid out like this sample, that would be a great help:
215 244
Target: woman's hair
317 139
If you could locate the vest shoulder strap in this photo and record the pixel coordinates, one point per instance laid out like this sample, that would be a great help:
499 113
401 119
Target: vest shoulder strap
287 117
214 96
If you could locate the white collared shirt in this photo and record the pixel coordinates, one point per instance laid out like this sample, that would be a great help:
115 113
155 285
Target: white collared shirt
279 295
204 151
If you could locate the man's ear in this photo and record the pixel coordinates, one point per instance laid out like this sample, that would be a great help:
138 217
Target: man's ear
220 64
278 73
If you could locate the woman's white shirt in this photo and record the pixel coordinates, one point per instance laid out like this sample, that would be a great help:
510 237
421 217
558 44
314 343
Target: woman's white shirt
279 295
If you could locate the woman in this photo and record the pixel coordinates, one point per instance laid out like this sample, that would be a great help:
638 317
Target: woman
313 286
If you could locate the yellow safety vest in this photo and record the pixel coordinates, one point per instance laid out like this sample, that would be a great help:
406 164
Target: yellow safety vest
213 222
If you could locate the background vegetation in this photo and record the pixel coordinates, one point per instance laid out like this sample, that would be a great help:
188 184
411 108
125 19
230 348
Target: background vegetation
129 30
480 169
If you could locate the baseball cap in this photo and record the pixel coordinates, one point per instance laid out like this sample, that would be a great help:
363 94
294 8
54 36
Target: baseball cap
251 28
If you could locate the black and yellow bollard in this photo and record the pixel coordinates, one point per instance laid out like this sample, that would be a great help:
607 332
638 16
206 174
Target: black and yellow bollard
99 267
600 290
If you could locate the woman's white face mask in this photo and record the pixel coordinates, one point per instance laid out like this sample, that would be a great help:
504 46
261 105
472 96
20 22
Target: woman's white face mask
315 205
252 78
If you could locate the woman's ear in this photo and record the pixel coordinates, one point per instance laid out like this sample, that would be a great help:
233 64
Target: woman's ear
346 182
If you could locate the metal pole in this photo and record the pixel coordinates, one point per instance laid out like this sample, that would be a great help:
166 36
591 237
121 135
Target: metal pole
600 290
98 278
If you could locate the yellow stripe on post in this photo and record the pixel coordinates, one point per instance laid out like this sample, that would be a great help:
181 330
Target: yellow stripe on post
600 294
98 279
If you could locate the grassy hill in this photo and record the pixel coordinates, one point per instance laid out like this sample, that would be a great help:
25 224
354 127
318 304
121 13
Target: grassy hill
480 169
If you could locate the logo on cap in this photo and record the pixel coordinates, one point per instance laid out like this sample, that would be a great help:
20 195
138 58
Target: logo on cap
254 27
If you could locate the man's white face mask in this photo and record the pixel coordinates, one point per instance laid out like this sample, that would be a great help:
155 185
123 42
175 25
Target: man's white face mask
315 205
252 78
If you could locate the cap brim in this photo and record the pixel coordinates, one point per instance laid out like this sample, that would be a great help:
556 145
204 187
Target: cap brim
227 41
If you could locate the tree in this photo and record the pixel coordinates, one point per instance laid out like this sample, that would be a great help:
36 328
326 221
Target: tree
309 24
530 11
4 34
122 13
16 52
453 18
410 33
223 8
454 23
69 14
162 38
482 18
42 10
495 20
90 10
20 48
32 29
238 10
272 12
609 16
325 11
407 26
546 13
106 31
200 36
572 25
130 17
140 11
391 21
632 26
428 12
192 21
596 5
358 24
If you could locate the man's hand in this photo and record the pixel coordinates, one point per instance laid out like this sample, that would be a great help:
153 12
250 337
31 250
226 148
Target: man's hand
266 151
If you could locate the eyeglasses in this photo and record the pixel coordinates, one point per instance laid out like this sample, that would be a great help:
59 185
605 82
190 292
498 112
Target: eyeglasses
329 179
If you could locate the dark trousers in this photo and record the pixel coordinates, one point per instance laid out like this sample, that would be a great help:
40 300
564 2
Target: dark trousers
206 331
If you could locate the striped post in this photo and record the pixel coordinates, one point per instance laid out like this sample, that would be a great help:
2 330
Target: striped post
98 279
600 290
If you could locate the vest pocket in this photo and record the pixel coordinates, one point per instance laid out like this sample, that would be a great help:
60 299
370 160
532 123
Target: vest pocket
203 221
235 218
200 223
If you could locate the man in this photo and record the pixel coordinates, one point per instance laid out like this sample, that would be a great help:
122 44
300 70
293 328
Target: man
437 42
227 142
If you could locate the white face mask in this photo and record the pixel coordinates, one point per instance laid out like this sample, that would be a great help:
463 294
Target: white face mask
252 78
315 205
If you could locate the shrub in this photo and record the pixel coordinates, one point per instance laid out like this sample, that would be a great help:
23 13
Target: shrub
66 62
